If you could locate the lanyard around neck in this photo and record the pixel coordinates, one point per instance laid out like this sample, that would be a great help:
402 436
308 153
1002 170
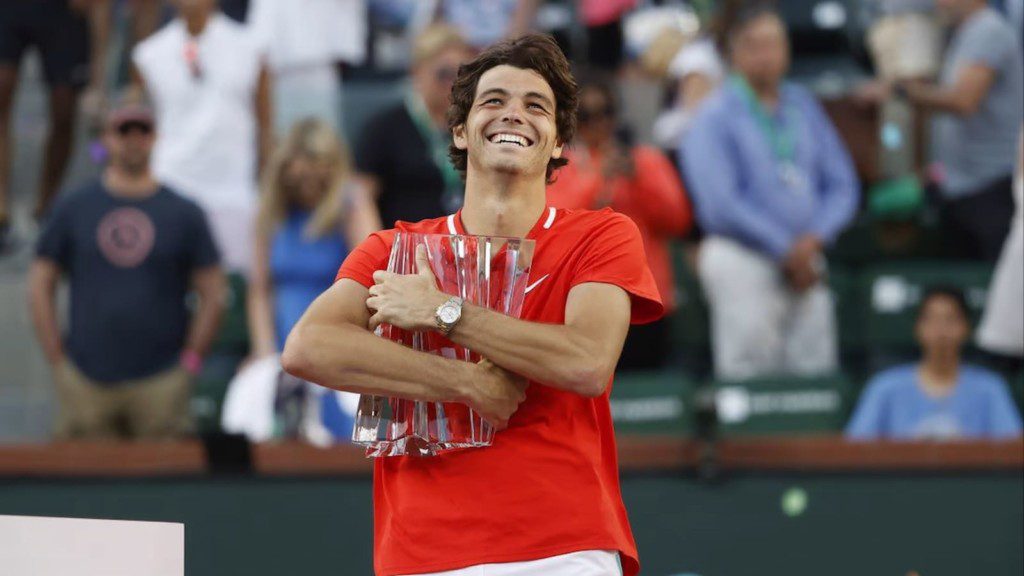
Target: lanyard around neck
776 129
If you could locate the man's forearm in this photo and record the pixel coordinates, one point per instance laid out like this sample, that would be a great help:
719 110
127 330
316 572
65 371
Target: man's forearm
349 358
205 323
44 319
550 353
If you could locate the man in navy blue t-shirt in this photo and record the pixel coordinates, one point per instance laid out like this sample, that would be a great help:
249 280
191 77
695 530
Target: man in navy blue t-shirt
131 250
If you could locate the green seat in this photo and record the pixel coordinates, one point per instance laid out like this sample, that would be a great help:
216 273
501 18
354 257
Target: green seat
691 332
210 388
892 293
782 406
233 337
657 402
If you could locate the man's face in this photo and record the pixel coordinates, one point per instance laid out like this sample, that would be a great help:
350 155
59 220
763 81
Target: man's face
942 328
511 124
760 51
129 145
953 10
434 77
596 118
194 6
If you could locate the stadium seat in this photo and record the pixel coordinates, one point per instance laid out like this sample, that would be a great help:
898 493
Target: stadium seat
657 402
210 387
233 337
691 334
782 406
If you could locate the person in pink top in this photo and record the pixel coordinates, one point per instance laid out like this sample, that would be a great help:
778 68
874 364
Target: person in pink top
606 169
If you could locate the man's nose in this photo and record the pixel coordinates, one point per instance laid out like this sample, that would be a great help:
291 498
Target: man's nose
513 113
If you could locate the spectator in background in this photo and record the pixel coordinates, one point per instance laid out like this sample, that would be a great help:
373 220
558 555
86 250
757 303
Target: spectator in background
311 211
306 43
131 248
606 169
209 86
59 30
402 154
978 99
939 398
1001 332
484 22
773 185
603 22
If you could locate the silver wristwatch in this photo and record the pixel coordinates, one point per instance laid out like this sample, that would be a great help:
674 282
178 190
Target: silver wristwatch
448 315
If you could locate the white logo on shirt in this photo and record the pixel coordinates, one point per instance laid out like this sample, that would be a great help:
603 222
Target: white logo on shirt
534 285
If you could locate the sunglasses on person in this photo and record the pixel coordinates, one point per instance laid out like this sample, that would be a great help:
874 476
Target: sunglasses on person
584 115
142 127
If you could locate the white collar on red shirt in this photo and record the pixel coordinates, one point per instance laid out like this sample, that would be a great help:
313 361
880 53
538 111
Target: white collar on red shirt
455 222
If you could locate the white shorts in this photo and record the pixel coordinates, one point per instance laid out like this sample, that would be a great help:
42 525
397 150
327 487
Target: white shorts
585 563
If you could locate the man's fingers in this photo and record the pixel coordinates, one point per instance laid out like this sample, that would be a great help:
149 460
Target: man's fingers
422 262
374 322
381 275
373 303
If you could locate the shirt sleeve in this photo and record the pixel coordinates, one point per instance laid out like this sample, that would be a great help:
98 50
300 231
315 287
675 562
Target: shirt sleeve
1004 420
614 254
868 421
709 164
836 179
988 46
55 240
203 251
370 256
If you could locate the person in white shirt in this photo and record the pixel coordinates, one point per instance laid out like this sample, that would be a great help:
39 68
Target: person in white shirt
306 42
206 77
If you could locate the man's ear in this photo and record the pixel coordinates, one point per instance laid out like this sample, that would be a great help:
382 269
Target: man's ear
556 152
459 137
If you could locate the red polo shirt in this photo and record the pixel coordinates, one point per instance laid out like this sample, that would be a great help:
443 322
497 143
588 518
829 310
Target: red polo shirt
549 484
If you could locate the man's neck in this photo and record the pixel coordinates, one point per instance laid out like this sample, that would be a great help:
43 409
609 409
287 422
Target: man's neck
129 185
196 22
767 94
939 372
502 205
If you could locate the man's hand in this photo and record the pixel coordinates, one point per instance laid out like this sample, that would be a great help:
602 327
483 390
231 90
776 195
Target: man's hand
407 301
801 264
496 394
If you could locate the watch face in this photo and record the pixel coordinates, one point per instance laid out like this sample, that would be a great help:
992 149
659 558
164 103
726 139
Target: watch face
449 314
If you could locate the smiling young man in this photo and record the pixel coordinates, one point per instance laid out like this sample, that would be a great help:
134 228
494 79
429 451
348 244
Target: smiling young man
545 497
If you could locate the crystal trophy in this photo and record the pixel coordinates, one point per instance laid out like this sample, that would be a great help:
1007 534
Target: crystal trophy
486 271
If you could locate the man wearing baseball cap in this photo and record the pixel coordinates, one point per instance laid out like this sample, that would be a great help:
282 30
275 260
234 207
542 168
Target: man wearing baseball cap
131 249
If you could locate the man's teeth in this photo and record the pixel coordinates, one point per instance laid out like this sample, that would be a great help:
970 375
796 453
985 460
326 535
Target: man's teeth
509 138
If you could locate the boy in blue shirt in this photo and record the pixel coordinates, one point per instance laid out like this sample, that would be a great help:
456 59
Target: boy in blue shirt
937 398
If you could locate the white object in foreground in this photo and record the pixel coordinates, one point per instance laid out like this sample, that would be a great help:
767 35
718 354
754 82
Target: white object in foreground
35 546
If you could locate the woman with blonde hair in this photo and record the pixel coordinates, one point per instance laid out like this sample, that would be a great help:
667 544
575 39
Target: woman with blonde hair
311 212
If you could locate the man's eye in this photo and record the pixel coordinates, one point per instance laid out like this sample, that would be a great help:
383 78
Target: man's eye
493 101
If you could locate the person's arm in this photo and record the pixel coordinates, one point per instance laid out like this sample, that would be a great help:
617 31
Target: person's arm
963 98
99 14
264 117
259 295
659 194
868 420
210 285
362 218
1004 419
709 164
43 277
331 345
835 177
578 356
523 18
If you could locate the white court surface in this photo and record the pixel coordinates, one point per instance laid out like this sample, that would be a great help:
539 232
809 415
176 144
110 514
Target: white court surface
36 546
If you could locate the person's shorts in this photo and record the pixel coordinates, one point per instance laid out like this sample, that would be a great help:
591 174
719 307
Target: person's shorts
59 33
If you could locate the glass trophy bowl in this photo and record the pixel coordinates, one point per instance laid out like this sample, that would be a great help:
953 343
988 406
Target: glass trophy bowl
483 270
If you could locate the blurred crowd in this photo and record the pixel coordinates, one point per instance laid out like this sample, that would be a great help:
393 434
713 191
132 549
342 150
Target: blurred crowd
230 187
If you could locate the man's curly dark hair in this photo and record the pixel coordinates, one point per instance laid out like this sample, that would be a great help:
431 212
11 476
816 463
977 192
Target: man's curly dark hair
537 52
